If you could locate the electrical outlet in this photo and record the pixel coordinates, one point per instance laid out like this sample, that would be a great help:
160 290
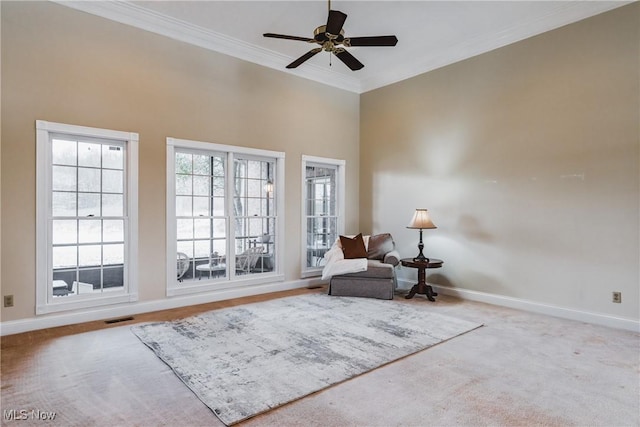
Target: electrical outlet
616 297
8 300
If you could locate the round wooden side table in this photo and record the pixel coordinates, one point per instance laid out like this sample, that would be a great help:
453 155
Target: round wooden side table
422 288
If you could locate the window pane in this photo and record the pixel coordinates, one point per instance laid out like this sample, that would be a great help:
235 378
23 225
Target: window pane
63 152
89 281
219 228
113 230
113 254
255 227
186 248
184 229
89 154
112 181
113 278
112 205
254 169
218 187
253 207
220 246
183 206
89 180
89 255
201 164
218 166
64 256
63 178
183 184
254 189
202 228
183 163
64 231
89 231
63 204
200 206
201 185
112 157
202 248
242 226
218 206
271 208
88 204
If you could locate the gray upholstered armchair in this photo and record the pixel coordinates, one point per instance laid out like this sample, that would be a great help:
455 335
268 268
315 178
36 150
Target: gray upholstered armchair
379 280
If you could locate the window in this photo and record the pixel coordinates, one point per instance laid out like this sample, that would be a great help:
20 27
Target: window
223 222
323 210
87 216
200 211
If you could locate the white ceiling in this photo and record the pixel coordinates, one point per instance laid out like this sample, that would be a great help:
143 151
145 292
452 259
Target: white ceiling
431 34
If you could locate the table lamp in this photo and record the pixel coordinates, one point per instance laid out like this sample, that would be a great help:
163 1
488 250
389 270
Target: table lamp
421 221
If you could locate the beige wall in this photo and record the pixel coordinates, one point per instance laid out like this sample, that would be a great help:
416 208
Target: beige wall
66 66
527 158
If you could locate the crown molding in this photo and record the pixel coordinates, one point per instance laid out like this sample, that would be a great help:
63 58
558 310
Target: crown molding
564 13
136 16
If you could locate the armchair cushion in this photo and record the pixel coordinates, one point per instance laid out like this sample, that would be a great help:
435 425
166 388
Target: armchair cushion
353 248
392 257
375 270
379 245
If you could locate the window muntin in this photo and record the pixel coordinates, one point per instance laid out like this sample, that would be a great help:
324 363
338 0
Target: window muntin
201 226
255 214
87 217
250 190
323 221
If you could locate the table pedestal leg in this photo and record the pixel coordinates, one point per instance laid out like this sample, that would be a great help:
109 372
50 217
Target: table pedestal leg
421 287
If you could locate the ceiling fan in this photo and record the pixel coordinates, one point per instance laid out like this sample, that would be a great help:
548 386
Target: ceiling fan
331 39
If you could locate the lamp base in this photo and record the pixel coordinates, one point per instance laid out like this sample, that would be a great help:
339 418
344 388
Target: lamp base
421 257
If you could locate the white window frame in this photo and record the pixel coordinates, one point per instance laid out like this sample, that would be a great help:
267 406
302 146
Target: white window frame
45 303
340 165
230 280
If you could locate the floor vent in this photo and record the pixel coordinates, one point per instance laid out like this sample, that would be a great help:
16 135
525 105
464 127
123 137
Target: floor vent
122 319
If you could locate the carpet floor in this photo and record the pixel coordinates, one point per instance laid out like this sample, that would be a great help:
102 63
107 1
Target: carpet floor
519 369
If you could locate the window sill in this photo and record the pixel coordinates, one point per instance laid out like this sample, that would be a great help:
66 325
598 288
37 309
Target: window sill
208 285
90 302
311 273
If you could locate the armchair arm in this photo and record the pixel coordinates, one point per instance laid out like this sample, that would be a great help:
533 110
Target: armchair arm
392 258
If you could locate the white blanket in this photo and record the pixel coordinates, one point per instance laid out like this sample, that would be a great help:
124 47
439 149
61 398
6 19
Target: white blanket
336 264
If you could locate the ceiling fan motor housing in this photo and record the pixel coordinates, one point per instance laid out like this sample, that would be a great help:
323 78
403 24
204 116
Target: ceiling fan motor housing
331 36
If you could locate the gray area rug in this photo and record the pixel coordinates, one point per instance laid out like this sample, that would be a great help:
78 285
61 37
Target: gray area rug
242 361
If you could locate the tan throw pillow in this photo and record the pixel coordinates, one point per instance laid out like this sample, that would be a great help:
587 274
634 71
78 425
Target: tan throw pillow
353 248
380 245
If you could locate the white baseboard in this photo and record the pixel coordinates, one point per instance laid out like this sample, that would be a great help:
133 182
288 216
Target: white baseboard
536 307
102 313
50 321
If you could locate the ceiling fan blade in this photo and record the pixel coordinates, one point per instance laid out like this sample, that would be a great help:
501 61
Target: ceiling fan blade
304 57
335 21
371 41
282 36
349 60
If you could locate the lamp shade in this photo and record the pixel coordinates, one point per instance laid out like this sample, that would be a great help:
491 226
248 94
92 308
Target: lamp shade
421 220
